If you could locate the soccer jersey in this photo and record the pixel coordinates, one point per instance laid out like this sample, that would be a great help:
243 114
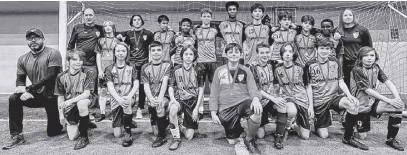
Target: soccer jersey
279 38
153 74
323 78
183 40
291 81
186 82
72 85
306 46
264 77
35 66
353 39
232 32
122 79
86 38
363 78
206 43
105 47
138 42
255 34
165 38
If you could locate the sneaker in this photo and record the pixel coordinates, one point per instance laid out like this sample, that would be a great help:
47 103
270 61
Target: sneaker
92 125
175 144
278 141
251 146
82 142
394 144
159 141
14 141
353 142
100 117
127 140
139 114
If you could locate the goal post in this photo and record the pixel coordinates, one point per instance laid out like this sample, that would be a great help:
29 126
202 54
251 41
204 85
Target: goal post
62 39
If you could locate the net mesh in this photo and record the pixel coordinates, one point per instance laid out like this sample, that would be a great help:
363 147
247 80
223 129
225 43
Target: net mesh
388 28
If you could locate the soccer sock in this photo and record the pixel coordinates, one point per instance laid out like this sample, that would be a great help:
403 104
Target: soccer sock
174 131
83 126
350 121
162 123
127 121
281 122
252 128
102 105
290 121
393 126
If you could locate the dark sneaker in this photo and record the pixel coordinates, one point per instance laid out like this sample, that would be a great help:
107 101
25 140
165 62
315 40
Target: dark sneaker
394 144
159 141
353 142
127 140
278 141
92 125
175 144
100 117
200 116
81 143
14 141
251 146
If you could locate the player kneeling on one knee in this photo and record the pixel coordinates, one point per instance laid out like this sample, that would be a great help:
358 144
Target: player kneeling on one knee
234 95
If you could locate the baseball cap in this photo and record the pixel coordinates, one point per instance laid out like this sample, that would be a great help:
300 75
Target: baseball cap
34 31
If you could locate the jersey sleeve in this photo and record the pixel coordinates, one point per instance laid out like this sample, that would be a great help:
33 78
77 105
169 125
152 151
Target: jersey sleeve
169 70
256 77
339 48
98 48
251 85
20 67
134 74
89 81
144 78
201 74
361 79
307 74
59 87
55 59
340 70
74 37
381 76
108 74
172 80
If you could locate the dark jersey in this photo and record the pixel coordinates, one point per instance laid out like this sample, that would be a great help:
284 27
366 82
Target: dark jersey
254 34
122 79
105 47
153 74
355 38
232 32
306 48
264 77
206 43
186 82
279 38
72 85
86 38
183 40
138 42
166 39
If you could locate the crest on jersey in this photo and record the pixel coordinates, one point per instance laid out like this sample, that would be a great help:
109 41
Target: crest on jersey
144 37
240 77
355 35
97 33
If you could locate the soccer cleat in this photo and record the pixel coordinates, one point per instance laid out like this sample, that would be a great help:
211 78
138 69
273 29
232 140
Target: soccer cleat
353 142
100 117
81 143
251 146
394 144
127 140
92 125
278 141
175 144
139 114
14 141
159 141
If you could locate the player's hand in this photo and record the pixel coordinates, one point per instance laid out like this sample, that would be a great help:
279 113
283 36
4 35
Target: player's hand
195 117
337 36
121 101
311 112
280 61
25 96
127 101
396 103
215 118
274 28
20 89
62 121
154 102
65 104
173 102
120 37
280 102
353 99
293 26
256 107
101 75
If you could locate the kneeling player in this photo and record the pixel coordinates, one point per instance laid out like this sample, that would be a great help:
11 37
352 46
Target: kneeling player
364 77
122 84
154 76
234 95
324 77
73 90
187 82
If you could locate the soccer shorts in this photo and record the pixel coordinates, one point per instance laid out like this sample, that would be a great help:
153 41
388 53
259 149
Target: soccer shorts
210 68
187 107
230 118
323 118
363 119
267 109
71 114
153 111
302 118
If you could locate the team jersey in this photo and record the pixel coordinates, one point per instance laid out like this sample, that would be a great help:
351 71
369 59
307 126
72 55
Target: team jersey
324 79
279 38
165 38
255 34
35 66
353 39
306 48
122 79
206 43
72 85
291 81
264 77
337 50
153 74
186 82
105 48
138 42
86 38
363 78
182 40
231 87
232 32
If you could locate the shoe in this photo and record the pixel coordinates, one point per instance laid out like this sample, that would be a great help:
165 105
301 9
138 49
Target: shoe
278 141
14 141
159 141
175 144
82 142
139 114
251 146
353 142
394 144
127 140
92 125
100 117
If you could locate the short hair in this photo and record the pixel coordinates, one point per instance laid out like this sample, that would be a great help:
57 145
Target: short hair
192 48
79 52
363 51
257 6
293 46
328 20
230 46
127 49
285 14
231 3
155 44
262 45
162 18
206 10
132 17
324 42
186 20
89 9
307 18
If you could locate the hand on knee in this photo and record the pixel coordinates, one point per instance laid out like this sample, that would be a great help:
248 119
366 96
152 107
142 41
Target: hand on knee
83 107
255 118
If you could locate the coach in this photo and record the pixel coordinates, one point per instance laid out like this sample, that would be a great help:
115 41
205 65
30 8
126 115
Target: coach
42 65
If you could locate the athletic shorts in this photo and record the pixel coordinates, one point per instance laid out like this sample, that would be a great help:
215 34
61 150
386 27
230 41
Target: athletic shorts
323 118
302 118
230 118
363 119
209 68
187 107
153 111
71 114
267 109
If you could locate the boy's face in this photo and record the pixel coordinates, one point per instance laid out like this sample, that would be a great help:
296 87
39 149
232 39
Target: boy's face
156 52
285 22
75 62
233 55
120 53
288 54
369 58
188 56
257 14
232 11
164 25
264 54
347 17
137 21
306 26
206 18
326 28
108 28
324 51
186 27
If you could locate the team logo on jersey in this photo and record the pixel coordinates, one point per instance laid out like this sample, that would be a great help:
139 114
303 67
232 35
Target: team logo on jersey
144 37
97 33
355 34
240 77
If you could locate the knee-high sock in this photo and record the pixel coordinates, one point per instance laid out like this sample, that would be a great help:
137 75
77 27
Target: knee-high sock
393 126
252 128
83 126
281 123
127 121
350 121
162 123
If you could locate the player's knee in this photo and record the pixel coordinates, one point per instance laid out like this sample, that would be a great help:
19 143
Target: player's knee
82 106
14 98
361 136
304 136
232 141
189 135
323 134
291 110
117 132
261 132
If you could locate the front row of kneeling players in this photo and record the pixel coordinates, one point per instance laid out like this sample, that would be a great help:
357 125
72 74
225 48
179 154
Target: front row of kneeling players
283 89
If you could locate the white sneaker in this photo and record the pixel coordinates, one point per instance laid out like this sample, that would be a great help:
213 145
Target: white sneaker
139 113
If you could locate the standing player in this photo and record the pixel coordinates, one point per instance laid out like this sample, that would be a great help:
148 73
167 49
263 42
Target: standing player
155 75
234 95
324 79
282 35
73 88
327 31
42 65
306 41
186 92
185 39
364 77
165 36
122 84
